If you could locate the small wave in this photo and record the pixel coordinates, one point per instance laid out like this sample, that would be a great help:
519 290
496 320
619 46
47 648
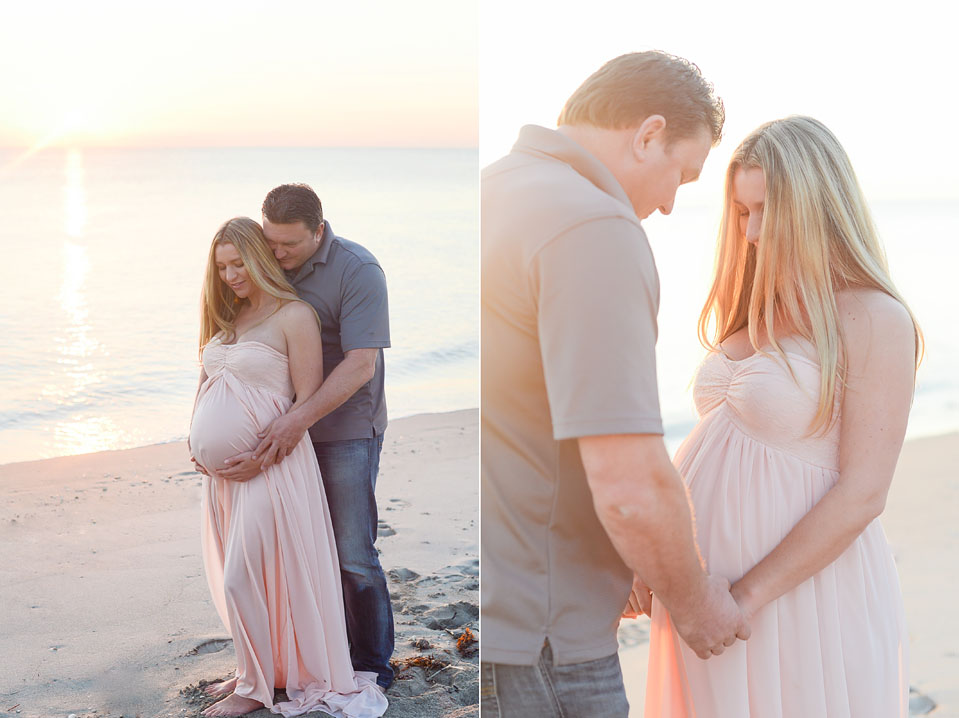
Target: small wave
411 364
123 397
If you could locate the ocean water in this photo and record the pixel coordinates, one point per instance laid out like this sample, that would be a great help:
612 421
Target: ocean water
103 253
921 239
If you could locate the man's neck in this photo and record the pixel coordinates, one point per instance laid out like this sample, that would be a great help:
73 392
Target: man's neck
608 146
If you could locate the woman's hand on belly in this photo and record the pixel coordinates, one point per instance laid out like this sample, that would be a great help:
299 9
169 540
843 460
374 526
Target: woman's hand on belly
241 467
198 467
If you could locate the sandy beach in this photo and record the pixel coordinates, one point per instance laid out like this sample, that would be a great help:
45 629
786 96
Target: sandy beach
104 606
920 522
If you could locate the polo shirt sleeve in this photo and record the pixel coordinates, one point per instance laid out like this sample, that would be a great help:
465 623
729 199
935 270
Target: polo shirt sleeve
364 311
597 294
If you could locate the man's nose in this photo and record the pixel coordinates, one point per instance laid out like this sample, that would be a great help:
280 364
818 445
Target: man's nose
666 208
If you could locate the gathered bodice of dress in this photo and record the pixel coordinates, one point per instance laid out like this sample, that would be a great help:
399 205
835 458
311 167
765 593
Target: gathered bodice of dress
253 363
248 385
769 403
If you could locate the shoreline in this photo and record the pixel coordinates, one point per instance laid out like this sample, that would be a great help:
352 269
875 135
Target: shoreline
104 601
182 439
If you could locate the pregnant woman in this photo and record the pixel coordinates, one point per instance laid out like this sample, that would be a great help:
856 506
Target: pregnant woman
803 405
268 544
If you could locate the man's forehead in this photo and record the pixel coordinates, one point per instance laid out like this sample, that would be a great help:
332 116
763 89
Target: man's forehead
292 231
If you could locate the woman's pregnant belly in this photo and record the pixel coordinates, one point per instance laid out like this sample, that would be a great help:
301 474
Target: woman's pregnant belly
222 427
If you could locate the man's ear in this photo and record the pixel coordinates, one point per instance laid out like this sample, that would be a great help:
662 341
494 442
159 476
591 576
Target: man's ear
651 130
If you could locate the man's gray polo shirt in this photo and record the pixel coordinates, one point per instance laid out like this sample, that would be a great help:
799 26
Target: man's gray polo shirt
569 301
347 288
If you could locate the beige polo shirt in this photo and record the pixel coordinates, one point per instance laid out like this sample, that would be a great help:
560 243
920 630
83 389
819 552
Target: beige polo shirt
569 301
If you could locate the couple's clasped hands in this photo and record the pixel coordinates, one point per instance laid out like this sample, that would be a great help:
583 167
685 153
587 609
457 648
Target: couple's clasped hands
709 622
277 441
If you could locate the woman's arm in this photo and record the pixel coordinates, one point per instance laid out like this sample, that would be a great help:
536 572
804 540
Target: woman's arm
880 345
304 349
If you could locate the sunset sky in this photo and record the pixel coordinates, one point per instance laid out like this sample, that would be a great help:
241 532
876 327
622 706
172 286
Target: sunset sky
239 74
880 76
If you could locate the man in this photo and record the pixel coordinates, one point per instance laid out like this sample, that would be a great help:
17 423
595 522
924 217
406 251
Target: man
578 493
346 417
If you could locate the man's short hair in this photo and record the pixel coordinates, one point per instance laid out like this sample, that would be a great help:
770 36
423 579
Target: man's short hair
292 203
630 88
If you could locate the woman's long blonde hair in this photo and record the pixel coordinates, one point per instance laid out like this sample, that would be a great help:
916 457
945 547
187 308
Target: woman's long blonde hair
817 238
220 305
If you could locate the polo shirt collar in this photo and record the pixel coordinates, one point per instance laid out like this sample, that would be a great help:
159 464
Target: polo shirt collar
540 140
320 256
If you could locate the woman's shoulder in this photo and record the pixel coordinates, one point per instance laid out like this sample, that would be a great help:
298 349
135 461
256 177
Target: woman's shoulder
870 318
295 313
865 310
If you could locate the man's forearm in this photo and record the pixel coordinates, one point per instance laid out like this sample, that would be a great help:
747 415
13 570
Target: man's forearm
642 504
342 383
653 533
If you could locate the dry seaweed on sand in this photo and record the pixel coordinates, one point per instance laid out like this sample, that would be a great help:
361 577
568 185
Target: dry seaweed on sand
429 662
464 644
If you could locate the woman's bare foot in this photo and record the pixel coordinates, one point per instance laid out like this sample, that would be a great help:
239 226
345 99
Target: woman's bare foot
223 688
233 705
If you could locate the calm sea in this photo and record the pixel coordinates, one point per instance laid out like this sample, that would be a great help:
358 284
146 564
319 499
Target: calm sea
104 250
103 254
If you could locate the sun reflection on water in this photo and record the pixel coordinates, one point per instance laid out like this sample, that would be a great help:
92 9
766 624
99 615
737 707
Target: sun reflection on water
75 203
86 433
76 345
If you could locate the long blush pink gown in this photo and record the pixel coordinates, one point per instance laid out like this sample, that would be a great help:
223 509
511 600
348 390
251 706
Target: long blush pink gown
268 546
834 646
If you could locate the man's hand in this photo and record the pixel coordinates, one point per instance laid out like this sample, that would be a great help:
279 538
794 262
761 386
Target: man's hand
713 621
640 600
241 467
279 439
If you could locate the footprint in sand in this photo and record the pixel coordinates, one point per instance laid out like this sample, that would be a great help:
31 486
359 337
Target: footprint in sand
467 568
211 646
470 568
402 575
919 705
415 608
384 529
452 615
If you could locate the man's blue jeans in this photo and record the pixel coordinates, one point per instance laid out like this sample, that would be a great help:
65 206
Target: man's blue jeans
349 468
594 689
